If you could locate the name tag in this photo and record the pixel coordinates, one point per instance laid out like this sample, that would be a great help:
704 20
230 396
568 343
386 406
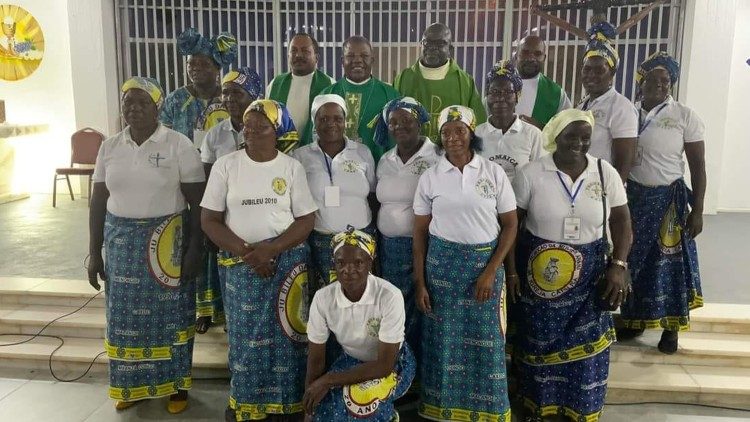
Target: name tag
198 136
572 228
332 196
638 155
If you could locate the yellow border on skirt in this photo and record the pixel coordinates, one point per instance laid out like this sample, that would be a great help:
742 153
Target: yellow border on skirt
554 409
261 411
574 353
138 353
149 391
436 413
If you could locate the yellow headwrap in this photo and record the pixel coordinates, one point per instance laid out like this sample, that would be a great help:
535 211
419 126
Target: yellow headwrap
560 121
151 86
356 238
287 137
457 113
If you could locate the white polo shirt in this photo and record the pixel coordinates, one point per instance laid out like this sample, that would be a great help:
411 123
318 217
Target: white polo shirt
220 140
615 117
261 200
667 128
144 181
519 145
540 192
378 316
397 183
464 206
352 171
527 99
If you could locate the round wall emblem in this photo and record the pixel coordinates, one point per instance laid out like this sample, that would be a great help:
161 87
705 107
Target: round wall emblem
165 252
553 269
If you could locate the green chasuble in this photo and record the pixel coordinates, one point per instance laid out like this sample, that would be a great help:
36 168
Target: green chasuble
364 102
457 88
280 92
547 100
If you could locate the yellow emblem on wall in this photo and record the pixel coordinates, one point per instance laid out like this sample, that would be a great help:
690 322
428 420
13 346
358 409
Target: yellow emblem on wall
554 268
165 252
21 43
363 399
670 233
279 185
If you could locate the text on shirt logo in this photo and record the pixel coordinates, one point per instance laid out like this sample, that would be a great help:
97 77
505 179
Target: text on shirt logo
485 188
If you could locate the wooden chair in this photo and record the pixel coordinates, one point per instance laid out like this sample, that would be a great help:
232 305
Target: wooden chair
84 147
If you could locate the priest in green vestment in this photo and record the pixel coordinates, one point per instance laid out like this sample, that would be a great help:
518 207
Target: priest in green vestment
436 81
365 95
541 98
296 89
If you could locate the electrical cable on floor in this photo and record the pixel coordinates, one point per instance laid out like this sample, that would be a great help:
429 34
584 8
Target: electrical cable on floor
712 406
62 341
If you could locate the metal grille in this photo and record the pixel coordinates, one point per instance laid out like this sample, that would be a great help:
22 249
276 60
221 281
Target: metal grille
484 31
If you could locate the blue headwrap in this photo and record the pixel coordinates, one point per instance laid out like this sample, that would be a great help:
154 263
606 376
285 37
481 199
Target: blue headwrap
659 59
222 48
287 137
505 69
248 79
380 122
600 44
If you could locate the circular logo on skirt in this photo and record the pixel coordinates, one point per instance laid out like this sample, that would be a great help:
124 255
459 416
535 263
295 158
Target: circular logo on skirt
670 233
165 252
554 269
291 306
362 400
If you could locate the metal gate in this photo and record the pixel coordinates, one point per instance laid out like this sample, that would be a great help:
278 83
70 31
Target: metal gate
484 31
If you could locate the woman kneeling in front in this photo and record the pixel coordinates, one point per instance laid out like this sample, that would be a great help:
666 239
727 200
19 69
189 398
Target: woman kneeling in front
366 315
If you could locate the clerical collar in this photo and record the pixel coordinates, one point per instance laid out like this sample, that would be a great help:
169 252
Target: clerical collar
434 73
358 83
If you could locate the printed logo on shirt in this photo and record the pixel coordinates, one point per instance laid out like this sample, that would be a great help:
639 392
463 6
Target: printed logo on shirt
165 252
594 190
554 269
507 162
667 123
279 185
291 305
214 114
158 160
373 327
485 188
363 400
598 114
420 166
351 166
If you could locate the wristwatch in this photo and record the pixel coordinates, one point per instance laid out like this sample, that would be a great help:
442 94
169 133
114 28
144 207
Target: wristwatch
620 263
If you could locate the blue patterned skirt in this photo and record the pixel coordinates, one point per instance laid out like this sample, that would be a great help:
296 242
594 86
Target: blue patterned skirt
370 400
150 310
267 327
563 336
463 349
663 260
210 288
397 268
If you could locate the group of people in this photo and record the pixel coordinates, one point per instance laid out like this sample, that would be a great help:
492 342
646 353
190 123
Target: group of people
359 240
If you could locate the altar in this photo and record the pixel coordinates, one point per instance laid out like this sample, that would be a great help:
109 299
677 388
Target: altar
7 157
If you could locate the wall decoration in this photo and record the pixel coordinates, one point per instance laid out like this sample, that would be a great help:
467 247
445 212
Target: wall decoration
21 43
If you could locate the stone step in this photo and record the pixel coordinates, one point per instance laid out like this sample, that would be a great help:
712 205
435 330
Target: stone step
49 291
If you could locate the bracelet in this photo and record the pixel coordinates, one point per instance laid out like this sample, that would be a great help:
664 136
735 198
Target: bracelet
619 263
511 276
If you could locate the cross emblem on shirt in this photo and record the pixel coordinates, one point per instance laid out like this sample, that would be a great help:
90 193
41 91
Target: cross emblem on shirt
155 158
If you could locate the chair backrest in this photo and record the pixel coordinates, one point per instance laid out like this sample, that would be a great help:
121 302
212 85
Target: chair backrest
84 146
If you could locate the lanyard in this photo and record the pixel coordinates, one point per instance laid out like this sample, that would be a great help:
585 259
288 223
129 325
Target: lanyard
328 166
643 125
574 195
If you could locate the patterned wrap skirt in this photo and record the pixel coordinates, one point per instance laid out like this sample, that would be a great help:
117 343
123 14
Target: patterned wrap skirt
462 372
396 267
210 288
563 337
267 330
150 310
369 400
663 260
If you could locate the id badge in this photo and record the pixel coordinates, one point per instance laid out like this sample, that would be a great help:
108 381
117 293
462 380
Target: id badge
572 228
198 136
638 156
332 196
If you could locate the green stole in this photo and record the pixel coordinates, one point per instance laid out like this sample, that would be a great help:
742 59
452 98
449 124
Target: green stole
457 88
547 100
364 103
280 93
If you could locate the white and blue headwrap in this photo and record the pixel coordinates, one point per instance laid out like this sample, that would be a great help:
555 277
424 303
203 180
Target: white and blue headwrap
222 48
600 44
380 122
248 79
505 69
660 59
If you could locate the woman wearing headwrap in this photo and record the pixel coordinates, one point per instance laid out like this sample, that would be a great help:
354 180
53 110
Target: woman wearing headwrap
365 313
506 139
197 107
239 88
148 182
258 210
616 129
465 224
564 326
341 174
666 215
398 173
